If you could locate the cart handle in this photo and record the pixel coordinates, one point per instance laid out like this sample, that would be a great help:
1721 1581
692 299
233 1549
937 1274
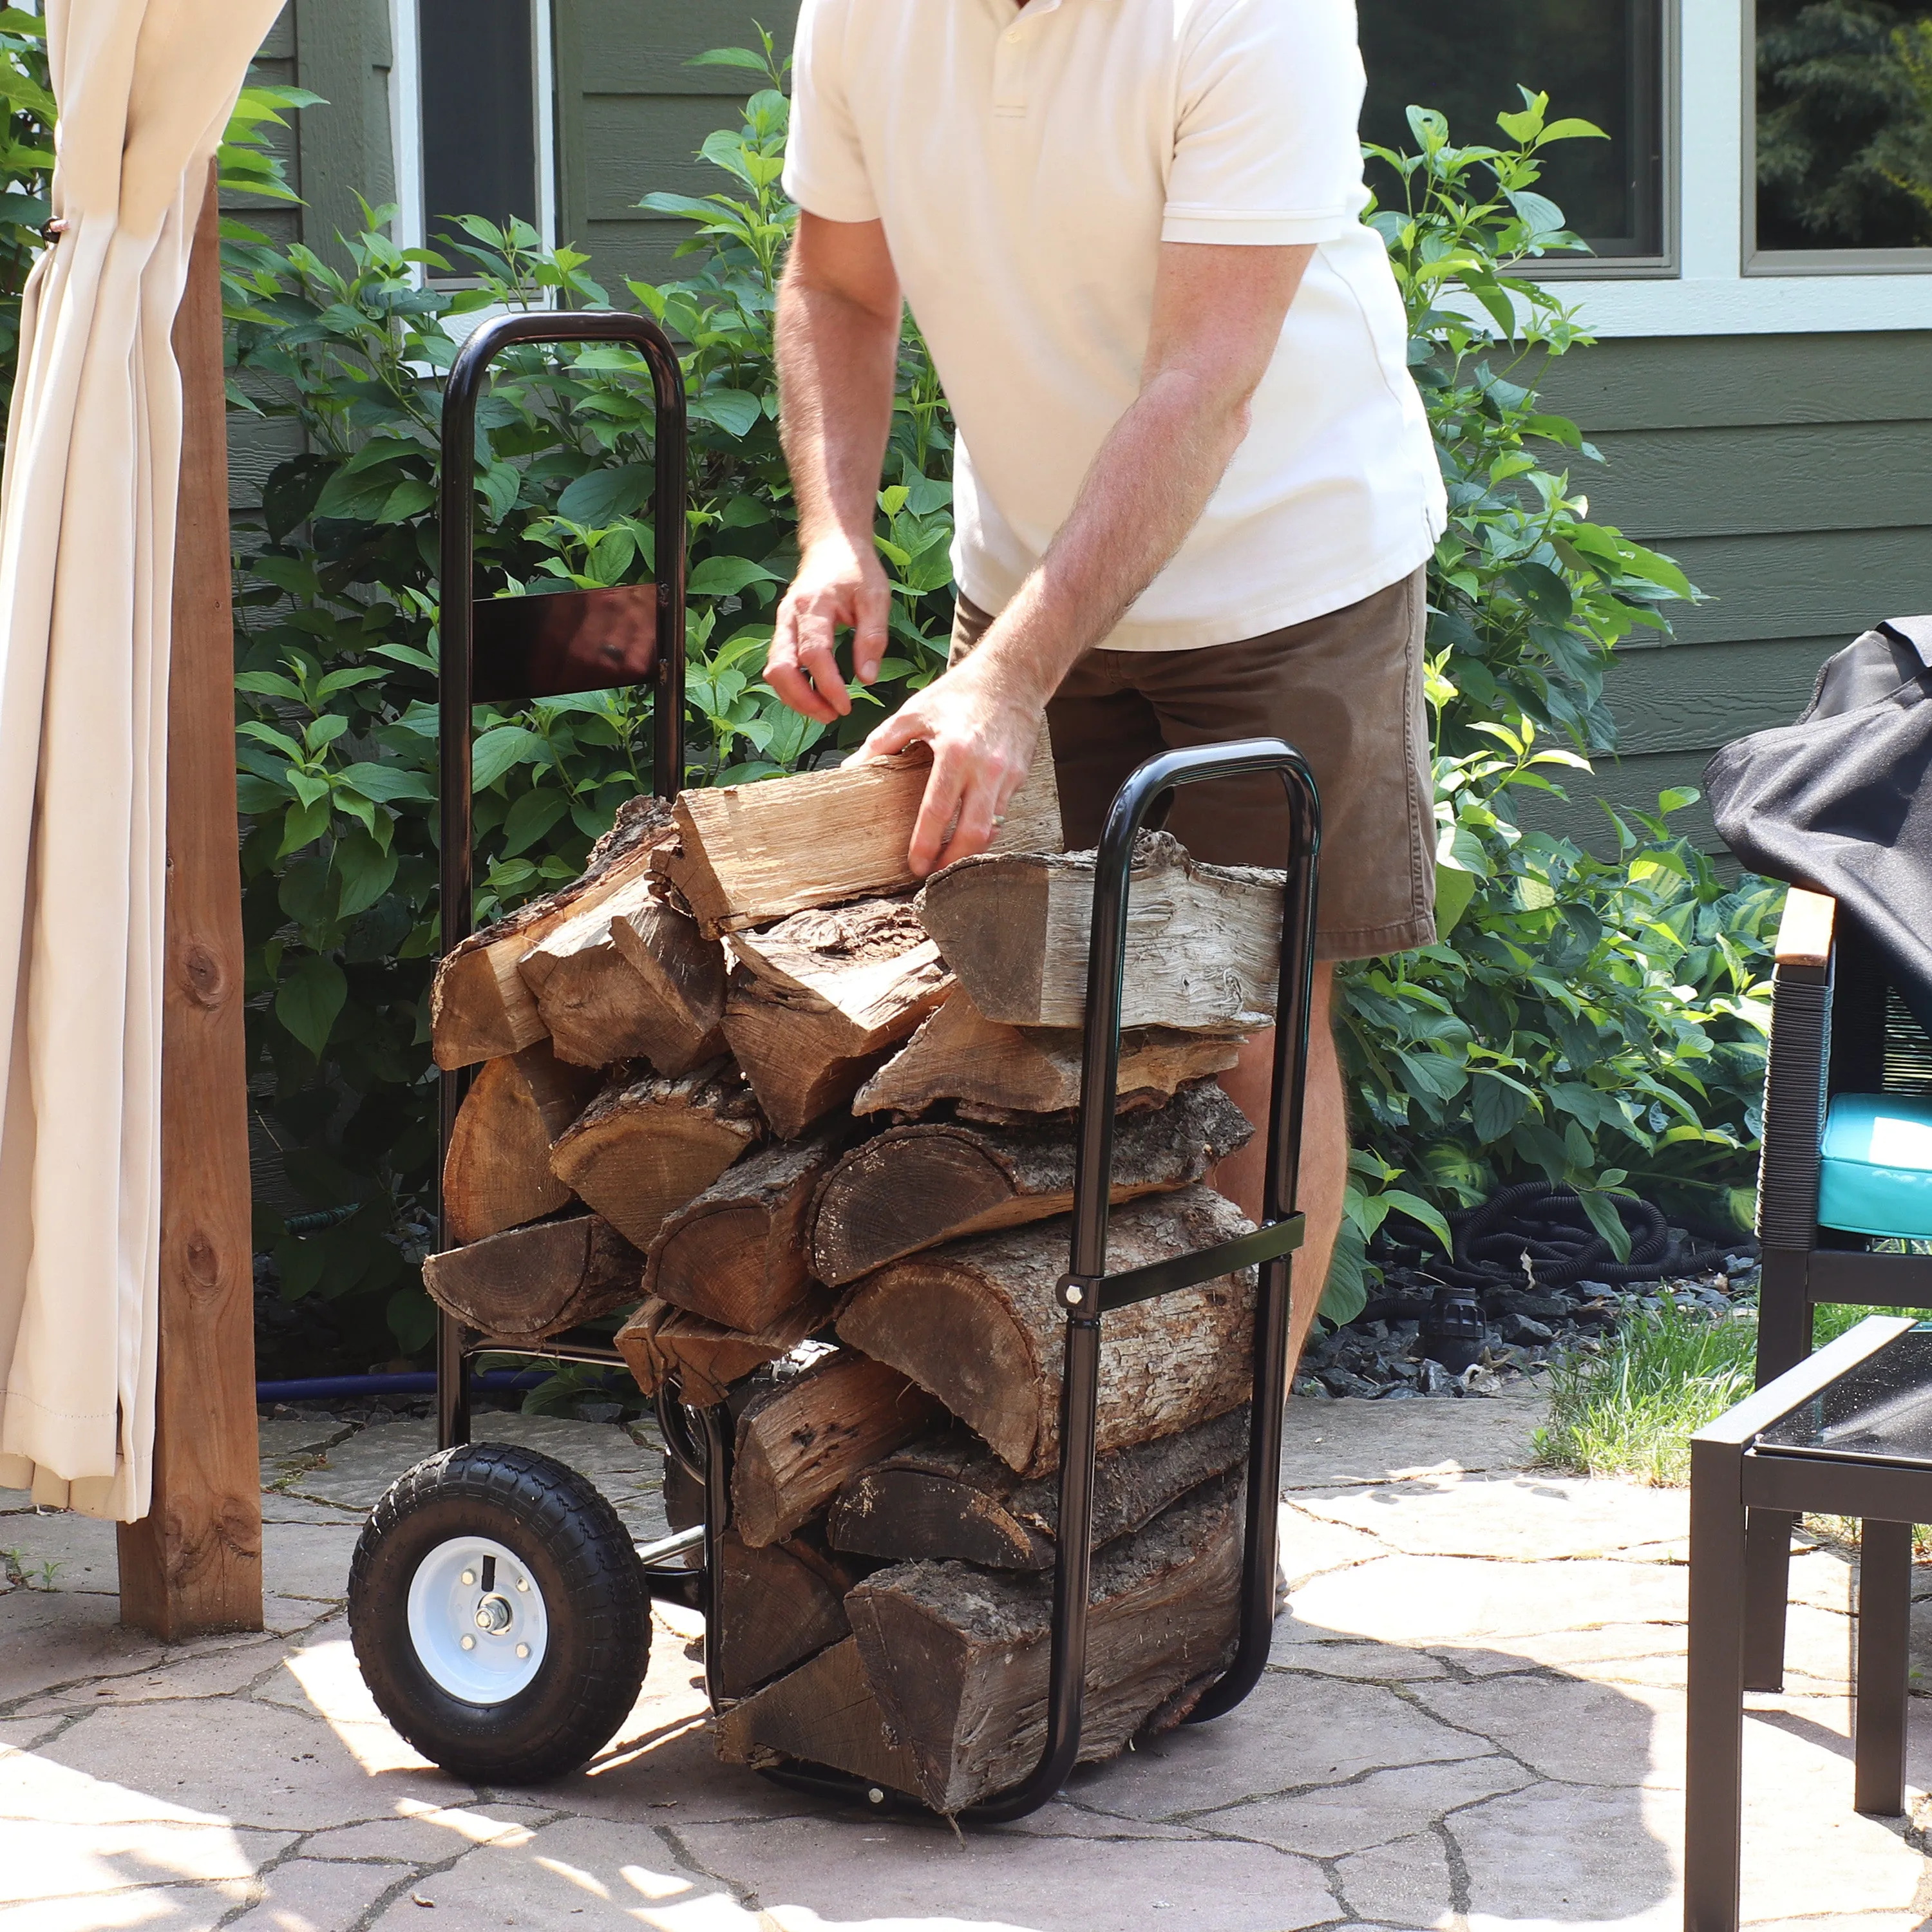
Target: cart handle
457 566
1085 1291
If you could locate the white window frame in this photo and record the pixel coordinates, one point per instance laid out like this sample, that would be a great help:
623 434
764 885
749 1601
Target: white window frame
1721 286
406 123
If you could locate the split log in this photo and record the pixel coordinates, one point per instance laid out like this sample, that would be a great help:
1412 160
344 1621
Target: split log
1203 941
979 1324
750 854
660 1342
913 1187
951 1496
958 1658
737 1255
959 1054
817 1001
778 1606
797 1445
560 1091
480 1008
529 1282
631 979
823 1713
644 1148
496 1174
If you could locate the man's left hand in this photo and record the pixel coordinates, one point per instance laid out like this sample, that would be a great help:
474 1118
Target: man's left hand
983 737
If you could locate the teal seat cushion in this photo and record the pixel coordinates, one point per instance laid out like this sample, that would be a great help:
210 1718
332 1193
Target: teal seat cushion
1876 1176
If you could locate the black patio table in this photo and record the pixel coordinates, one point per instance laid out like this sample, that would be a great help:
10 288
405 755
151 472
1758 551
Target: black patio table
1846 1432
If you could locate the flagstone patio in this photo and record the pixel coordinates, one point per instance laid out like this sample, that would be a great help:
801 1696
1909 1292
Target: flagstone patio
1473 1720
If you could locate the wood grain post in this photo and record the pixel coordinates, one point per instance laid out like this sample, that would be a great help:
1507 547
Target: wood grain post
193 1563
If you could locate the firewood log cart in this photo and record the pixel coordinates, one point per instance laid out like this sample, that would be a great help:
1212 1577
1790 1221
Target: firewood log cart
500 1610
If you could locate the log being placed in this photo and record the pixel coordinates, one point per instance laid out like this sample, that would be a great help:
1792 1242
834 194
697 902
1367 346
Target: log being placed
1203 941
957 1658
817 1000
529 1282
748 854
779 1606
798 1443
737 1254
978 1323
660 1342
914 1187
822 1713
644 1148
496 1173
949 1495
480 1008
631 979
959 1054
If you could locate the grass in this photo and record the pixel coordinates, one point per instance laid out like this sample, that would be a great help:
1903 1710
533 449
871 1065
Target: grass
1631 1409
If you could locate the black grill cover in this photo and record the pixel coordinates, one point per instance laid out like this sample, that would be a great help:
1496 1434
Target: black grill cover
1841 801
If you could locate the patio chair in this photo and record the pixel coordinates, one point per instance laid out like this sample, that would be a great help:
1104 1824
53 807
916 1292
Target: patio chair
1847 1161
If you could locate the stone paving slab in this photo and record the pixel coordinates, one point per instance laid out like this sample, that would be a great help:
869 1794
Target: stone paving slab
1472 1723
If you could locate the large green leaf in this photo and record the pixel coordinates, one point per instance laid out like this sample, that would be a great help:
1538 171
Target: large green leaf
310 998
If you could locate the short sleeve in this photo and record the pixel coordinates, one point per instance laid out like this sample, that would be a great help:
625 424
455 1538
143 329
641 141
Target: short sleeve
825 164
1266 151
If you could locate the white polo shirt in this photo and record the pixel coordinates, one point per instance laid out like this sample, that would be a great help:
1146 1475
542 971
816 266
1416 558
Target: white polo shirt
1027 166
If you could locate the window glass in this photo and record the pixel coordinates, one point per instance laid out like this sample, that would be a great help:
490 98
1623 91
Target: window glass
1599 60
1844 124
478 112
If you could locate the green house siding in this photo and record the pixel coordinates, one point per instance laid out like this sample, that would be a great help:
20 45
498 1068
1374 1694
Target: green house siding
631 116
1792 475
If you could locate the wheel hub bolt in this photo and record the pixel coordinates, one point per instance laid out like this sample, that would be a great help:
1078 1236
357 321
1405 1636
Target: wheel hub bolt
469 1579
492 1614
469 1643
523 1650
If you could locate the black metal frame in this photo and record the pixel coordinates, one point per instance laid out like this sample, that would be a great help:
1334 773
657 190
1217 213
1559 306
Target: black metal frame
700 1438
1736 1481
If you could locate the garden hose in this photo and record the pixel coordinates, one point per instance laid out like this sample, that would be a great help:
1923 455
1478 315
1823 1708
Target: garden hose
1537 1235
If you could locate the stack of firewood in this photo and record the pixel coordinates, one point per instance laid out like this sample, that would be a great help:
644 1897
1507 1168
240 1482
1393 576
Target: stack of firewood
823 1125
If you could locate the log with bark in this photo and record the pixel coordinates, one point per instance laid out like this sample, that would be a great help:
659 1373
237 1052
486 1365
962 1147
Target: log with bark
737 1254
959 1055
799 1442
949 1495
778 1606
528 1282
1202 949
978 1323
822 1713
748 854
496 1172
631 979
818 1000
645 1147
957 1658
913 1187
480 1008
660 1342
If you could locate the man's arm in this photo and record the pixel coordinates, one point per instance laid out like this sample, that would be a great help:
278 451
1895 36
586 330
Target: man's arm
1217 317
838 337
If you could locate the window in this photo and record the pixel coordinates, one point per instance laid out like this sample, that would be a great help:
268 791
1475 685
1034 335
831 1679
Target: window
482 116
1842 164
1602 61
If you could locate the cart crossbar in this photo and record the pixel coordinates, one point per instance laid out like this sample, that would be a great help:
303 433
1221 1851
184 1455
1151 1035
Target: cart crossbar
1179 1271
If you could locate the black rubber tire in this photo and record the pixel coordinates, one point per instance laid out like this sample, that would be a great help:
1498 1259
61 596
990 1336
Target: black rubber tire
581 1558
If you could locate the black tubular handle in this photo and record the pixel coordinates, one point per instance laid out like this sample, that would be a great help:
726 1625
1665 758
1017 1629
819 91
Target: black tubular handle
460 396
1081 1293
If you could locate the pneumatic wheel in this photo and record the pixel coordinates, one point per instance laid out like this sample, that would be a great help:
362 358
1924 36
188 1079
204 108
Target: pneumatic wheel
498 1613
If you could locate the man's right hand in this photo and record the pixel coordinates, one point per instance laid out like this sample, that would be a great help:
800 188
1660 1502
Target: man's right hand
835 585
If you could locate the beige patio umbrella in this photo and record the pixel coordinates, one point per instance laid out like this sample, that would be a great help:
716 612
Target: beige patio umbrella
87 518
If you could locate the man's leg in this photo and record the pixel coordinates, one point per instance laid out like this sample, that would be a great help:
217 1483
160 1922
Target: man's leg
1324 1152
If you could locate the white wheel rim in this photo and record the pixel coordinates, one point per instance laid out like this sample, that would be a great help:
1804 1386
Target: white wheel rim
478 1620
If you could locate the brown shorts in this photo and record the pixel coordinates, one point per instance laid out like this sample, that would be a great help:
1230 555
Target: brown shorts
1344 689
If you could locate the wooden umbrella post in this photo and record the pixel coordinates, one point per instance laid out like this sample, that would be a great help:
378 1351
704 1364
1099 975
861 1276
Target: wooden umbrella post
193 1563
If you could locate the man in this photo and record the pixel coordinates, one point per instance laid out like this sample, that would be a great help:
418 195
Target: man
1195 487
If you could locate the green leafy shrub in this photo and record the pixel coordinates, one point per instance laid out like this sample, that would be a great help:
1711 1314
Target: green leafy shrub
336 649
1594 1019
1597 1021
